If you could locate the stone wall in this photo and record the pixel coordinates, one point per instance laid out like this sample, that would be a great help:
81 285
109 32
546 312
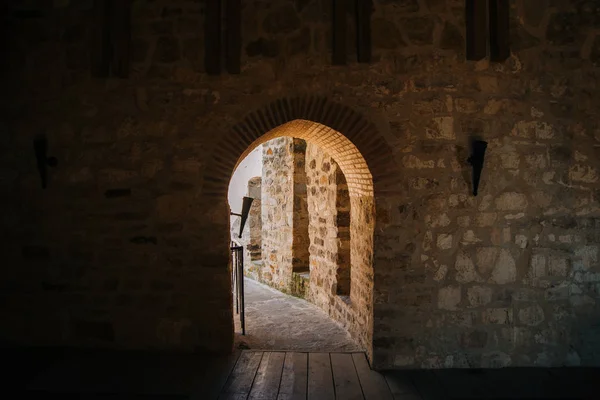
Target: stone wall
127 247
323 232
277 213
330 242
251 238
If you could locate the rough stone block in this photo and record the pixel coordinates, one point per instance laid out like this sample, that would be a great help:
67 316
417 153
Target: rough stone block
441 128
588 256
532 316
486 259
486 219
537 266
413 162
557 266
469 237
533 129
511 201
505 270
449 297
444 241
583 174
437 220
465 270
441 272
521 241
463 221
479 295
498 316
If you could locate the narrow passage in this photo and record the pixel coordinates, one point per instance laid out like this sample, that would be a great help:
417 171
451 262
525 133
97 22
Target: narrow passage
276 321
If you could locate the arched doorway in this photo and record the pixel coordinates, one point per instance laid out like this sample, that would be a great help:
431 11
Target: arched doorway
362 157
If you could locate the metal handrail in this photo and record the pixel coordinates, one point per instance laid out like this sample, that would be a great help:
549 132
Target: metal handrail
238 281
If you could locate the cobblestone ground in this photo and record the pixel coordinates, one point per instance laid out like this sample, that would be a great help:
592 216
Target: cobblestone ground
276 321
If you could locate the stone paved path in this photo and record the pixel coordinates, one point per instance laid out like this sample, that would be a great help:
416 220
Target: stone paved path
276 321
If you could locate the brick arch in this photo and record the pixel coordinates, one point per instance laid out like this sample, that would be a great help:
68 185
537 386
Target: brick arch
351 139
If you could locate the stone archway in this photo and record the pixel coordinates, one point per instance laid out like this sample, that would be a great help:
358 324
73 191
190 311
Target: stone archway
362 155
339 122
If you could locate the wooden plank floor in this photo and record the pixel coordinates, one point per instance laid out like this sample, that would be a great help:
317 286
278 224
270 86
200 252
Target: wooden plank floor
277 375
307 376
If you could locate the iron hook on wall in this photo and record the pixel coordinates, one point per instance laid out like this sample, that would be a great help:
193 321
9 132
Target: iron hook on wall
40 145
478 148
244 214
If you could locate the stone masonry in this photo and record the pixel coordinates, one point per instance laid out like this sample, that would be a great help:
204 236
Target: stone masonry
330 261
251 238
284 214
255 219
321 217
277 213
127 247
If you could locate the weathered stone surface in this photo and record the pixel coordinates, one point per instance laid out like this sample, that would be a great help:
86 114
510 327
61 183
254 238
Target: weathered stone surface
486 219
479 295
498 316
486 259
414 162
441 128
505 270
511 201
465 270
434 221
444 241
449 297
531 316
588 256
584 174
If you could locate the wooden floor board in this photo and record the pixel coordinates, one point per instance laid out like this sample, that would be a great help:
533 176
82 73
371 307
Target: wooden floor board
373 383
242 376
294 377
345 379
268 377
320 380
